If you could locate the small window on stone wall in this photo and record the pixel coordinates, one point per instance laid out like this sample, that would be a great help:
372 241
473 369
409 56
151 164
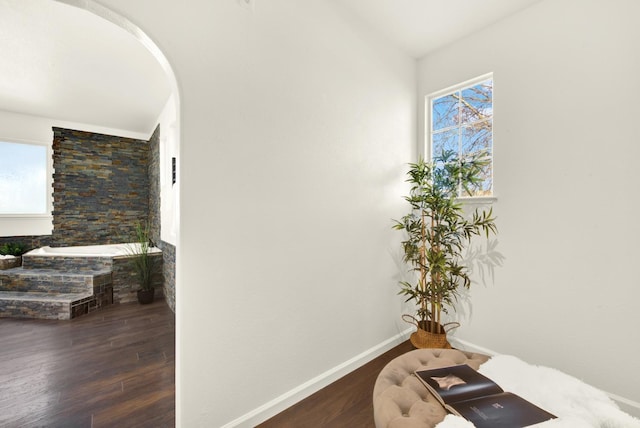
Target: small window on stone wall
23 179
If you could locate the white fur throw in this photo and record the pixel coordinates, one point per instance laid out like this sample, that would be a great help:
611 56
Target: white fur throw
576 404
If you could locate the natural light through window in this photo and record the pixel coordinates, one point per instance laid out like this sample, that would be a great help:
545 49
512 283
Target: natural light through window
461 121
23 179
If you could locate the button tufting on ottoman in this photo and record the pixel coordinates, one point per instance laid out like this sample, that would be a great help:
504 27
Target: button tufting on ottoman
401 401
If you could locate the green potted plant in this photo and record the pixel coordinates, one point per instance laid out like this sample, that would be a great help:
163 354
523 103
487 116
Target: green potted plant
143 263
437 232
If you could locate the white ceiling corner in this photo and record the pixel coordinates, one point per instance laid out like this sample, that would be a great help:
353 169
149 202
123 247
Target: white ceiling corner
66 63
420 26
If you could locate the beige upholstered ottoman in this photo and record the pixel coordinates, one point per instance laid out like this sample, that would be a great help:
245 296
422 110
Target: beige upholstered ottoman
401 401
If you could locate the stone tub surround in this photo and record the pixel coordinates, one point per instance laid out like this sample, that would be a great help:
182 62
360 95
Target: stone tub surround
125 280
66 263
10 262
51 294
55 287
115 182
169 271
41 280
124 277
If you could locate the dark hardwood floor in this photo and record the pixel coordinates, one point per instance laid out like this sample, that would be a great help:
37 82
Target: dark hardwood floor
111 368
116 368
346 403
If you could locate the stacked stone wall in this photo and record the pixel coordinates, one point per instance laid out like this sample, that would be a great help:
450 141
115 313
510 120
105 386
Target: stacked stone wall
101 187
168 250
30 242
169 272
154 186
125 279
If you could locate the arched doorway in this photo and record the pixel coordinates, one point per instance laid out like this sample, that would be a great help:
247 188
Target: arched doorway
171 132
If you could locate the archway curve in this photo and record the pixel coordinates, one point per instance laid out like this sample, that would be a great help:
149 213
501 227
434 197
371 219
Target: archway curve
135 31
156 52
124 23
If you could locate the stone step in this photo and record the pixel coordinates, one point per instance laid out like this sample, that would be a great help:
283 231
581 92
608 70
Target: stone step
65 263
53 281
51 294
59 306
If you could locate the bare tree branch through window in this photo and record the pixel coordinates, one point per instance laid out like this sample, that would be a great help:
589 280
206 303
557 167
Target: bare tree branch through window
462 122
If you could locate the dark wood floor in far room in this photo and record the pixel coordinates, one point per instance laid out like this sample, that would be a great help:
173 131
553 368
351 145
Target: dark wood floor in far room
111 368
116 368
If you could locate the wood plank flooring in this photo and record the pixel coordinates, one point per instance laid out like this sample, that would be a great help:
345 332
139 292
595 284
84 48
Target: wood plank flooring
346 403
116 368
111 368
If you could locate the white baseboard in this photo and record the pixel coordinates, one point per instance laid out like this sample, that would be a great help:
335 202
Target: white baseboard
463 345
301 392
625 404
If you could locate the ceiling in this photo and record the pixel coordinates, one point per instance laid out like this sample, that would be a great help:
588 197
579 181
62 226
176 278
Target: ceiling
65 63
420 26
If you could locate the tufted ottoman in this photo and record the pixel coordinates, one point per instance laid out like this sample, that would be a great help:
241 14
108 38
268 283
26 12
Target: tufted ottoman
401 401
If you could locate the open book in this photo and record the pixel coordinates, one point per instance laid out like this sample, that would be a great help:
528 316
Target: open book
465 392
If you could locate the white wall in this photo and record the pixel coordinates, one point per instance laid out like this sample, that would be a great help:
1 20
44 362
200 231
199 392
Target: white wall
169 148
20 128
296 125
566 144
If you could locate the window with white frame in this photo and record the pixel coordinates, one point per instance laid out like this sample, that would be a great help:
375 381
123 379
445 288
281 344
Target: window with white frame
461 122
23 179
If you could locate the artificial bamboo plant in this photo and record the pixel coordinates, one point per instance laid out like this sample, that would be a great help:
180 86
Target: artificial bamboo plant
142 260
438 232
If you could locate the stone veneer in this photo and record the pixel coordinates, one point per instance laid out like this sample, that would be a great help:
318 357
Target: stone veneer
103 184
154 217
169 270
100 187
67 263
123 273
50 294
125 279
30 242
168 250
10 263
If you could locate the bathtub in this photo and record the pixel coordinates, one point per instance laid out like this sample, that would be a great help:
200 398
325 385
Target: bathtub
112 258
107 250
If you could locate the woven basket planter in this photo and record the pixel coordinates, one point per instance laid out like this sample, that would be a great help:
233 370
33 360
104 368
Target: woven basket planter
422 338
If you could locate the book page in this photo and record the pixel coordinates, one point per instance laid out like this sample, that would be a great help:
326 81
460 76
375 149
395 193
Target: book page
505 410
457 383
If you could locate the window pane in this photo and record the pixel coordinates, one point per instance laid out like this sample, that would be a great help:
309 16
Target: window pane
23 178
462 123
477 138
483 188
446 140
477 102
445 112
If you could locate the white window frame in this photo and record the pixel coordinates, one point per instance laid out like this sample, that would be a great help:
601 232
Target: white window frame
429 127
27 224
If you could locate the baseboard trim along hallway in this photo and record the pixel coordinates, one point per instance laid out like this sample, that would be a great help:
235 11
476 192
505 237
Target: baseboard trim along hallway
315 384
290 398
